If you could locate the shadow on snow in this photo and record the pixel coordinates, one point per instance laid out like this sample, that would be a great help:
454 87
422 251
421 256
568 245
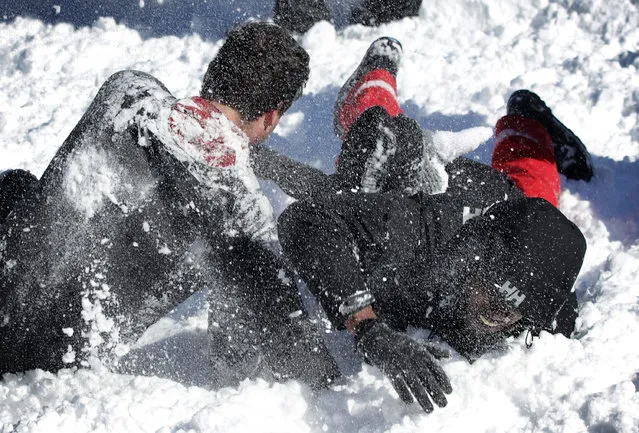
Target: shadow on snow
211 19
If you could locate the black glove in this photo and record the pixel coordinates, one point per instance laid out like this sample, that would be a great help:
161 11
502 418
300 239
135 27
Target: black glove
410 364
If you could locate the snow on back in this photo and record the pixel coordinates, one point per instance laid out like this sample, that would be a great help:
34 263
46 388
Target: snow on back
462 59
89 180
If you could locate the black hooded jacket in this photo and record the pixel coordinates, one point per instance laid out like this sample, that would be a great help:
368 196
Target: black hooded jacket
414 257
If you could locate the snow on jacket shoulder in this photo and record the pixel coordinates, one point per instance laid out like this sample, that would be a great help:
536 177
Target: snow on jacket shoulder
216 153
203 131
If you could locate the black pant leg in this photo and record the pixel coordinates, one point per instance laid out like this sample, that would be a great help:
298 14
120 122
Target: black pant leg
339 243
381 153
257 323
114 240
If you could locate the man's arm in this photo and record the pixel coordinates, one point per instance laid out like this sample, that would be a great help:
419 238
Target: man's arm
296 179
327 242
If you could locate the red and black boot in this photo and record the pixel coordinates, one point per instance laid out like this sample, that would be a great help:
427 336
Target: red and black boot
372 84
571 155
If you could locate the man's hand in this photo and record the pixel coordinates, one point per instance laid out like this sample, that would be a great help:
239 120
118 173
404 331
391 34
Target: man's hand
411 365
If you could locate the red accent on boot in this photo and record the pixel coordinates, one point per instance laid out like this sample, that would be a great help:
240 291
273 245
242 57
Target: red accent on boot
376 88
524 152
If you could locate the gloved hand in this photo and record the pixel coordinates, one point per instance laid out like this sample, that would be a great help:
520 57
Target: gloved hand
410 364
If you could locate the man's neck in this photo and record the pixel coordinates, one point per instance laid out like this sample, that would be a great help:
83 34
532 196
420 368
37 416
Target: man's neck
256 130
230 113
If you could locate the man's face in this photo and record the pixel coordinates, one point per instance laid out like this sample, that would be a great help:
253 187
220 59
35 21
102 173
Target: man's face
479 321
487 312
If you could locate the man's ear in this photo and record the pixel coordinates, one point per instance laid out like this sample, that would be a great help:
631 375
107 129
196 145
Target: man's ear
271 119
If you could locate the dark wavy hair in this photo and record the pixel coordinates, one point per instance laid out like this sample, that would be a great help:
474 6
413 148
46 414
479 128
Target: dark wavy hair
259 68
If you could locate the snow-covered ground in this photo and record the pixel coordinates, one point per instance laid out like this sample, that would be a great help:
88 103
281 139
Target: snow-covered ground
462 60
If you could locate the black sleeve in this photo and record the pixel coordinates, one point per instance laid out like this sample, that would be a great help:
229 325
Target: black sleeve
296 179
256 314
322 247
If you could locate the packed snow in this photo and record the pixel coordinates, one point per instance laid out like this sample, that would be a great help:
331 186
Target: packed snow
462 60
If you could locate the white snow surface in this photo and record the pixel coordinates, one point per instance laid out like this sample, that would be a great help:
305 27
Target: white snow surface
462 60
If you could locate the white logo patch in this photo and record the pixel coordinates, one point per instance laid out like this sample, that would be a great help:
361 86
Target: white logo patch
512 293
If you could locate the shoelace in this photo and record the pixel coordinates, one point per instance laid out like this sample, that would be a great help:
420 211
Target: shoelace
530 336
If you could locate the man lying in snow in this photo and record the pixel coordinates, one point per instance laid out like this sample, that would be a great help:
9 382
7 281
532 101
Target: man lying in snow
148 200
397 237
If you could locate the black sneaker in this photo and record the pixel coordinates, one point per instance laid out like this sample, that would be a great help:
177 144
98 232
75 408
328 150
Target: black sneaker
572 157
15 185
383 53
374 12
298 16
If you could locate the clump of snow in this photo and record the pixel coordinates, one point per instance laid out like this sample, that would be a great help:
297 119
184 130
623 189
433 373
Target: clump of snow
289 123
89 180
